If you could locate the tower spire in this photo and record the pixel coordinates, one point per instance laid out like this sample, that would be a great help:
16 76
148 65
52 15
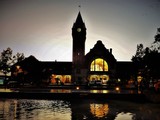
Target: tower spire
79 18
79 22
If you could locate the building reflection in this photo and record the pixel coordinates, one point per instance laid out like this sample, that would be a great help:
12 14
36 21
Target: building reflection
60 91
76 109
90 110
8 109
127 116
99 110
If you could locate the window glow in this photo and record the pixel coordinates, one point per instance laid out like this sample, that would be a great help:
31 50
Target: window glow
99 64
104 78
63 78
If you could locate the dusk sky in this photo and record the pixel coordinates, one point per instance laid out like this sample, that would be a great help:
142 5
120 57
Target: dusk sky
42 28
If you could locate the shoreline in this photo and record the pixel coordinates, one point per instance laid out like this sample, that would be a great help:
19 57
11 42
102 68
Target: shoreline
77 95
68 93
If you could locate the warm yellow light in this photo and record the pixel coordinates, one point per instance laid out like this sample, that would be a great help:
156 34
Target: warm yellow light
94 91
99 64
105 91
17 66
99 110
52 75
139 79
117 88
77 88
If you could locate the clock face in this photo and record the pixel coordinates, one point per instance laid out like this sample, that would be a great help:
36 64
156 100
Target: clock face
78 29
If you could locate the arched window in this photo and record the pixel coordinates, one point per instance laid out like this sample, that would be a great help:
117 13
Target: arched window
99 64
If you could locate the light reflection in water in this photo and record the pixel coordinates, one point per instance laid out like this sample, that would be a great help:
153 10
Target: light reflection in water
60 91
125 116
99 91
22 109
99 110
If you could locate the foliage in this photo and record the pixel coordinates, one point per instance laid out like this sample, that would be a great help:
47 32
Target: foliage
18 57
139 53
147 59
156 44
157 37
7 60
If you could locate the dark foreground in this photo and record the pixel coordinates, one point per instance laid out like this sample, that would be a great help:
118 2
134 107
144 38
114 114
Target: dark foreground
83 109
77 104
67 94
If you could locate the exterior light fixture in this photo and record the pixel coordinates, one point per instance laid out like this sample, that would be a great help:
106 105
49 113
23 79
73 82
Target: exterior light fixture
17 66
117 89
77 88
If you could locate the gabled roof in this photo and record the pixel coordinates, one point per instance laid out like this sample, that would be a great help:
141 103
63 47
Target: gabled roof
30 64
99 50
33 65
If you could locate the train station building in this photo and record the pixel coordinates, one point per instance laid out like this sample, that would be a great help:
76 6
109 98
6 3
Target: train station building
98 64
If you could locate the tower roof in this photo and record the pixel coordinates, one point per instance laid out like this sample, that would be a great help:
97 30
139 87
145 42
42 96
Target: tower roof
79 18
79 21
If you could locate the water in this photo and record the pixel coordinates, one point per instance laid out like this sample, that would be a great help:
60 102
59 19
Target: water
30 109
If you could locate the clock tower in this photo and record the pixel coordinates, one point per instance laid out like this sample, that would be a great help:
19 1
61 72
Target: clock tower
79 38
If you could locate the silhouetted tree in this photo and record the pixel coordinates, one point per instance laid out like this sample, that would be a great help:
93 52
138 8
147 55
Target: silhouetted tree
155 47
7 60
147 59
157 37
139 53
18 57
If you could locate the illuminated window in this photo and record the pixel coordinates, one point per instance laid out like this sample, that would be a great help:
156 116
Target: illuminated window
104 78
99 64
67 78
62 78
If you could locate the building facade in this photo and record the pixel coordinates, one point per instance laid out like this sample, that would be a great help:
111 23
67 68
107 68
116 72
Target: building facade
98 64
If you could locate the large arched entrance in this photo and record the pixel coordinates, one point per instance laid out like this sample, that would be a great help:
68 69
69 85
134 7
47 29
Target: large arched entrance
99 70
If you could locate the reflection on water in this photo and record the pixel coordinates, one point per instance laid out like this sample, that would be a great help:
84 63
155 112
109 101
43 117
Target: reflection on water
125 116
22 109
99 110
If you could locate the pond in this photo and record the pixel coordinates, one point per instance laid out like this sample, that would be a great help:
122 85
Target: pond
87 109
